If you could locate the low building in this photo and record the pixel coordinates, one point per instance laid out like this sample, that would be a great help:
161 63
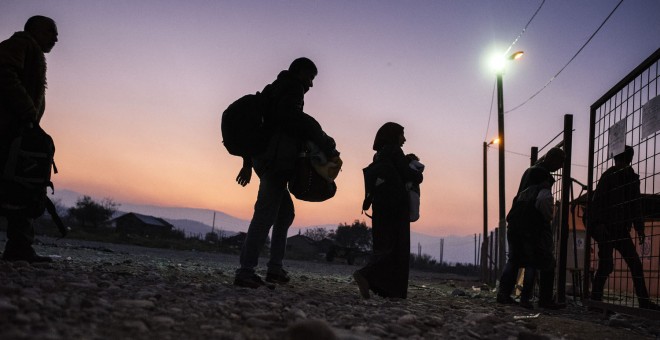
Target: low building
301 244
134 223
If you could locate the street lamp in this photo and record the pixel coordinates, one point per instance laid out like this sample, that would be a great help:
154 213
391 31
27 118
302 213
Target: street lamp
500 132
484 245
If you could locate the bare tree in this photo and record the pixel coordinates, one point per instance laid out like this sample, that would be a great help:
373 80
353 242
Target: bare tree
317 233
90 213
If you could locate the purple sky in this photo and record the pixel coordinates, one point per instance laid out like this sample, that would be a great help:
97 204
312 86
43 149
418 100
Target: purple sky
136 89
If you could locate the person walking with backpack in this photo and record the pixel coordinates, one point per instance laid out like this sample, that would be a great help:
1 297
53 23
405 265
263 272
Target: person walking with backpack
386 274
289 128
530 235
614 209
22 103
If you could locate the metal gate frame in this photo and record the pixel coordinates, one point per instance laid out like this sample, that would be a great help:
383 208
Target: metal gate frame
644 77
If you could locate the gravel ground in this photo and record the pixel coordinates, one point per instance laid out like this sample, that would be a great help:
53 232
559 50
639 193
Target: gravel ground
108 291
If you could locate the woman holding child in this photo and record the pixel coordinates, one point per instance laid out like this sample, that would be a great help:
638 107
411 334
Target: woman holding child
386 274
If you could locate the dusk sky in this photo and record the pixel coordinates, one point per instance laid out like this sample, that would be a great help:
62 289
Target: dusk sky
136 90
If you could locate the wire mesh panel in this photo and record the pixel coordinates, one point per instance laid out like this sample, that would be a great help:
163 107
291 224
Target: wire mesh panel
624 206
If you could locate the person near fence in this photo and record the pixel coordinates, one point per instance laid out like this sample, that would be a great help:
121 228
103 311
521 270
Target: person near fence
386 274
291 127
530 235
22 101
614 209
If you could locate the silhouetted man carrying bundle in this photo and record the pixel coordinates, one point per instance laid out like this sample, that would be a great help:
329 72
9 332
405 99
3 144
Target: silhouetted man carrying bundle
615 207
22 104
289 128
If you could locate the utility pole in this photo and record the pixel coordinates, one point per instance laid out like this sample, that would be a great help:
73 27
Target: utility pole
442 250
213 224
500 131
478 251
475 249
502 201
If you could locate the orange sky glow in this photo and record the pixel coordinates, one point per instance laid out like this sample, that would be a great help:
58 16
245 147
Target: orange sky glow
136 91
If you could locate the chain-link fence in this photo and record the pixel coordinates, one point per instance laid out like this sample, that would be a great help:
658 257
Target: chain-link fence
622 265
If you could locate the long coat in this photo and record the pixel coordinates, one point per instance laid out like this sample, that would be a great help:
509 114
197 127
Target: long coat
22 82
387 271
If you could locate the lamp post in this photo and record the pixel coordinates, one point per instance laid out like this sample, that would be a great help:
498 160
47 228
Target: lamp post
500 132
484 244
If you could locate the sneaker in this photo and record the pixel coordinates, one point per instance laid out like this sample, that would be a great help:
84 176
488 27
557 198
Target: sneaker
279 276
552 305
250 281
363 284
505 300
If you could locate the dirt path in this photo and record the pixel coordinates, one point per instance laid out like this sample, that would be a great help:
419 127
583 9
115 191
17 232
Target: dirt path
107 291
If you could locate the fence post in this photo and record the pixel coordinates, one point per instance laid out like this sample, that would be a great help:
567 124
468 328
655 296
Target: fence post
566 183
497 252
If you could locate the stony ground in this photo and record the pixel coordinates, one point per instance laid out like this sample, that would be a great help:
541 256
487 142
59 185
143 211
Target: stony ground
106 291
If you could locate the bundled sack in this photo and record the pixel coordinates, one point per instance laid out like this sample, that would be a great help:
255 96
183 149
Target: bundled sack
314 176
26 165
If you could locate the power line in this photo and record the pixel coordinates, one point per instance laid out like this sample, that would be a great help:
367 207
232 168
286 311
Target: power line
490 114
524 29
576 54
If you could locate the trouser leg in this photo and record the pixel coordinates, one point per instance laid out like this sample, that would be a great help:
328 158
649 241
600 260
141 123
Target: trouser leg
546 285
285 217
508 279
529 280
605 268
629 253
269 198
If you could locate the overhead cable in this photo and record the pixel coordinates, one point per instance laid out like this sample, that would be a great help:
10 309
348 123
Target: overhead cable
524 29
576 54
490 114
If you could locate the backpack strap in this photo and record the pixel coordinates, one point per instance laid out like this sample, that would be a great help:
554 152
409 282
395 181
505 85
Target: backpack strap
50 207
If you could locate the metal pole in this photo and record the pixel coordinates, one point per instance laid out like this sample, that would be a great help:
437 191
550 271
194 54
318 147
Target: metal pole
497 252
475 249
586 274
502 202
484 246
479 250
565 198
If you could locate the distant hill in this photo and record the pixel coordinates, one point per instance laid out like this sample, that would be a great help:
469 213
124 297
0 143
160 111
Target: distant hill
198 228
457 249
192 221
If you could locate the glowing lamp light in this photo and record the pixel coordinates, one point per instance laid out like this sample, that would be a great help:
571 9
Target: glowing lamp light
498 62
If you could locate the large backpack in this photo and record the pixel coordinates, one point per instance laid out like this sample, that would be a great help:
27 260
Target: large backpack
242 125
26 164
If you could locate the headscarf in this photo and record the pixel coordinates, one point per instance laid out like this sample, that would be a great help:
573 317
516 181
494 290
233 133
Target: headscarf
389 133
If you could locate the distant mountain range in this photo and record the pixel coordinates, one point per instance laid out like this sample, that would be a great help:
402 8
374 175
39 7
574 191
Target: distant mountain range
457 249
